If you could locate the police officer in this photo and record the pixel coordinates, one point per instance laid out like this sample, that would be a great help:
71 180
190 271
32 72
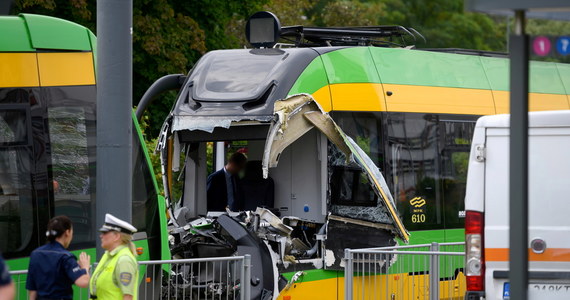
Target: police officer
116 275
53 270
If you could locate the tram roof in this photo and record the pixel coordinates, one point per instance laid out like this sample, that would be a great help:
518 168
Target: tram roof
30 33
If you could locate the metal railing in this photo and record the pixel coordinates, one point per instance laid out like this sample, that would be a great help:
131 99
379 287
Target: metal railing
19 279
215 278
198 278
420 272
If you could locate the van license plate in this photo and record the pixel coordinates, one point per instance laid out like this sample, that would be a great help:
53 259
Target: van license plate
539 291
548 291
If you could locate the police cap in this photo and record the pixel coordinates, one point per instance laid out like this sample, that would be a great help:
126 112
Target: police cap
113 223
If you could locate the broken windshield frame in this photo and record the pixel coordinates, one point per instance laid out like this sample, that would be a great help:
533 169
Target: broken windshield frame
297 115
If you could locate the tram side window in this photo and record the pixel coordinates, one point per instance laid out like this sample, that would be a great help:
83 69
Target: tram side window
72 182
144 192
348 184
16 213
454 161
413 157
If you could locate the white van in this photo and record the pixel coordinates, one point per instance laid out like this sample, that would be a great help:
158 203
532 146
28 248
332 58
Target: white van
487 206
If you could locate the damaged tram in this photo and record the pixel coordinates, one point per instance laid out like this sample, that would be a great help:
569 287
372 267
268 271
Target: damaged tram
367 143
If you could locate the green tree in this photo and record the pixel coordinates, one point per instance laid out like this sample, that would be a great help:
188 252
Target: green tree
169 36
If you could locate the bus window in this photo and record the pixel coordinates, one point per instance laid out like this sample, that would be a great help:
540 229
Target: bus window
72 184
16 203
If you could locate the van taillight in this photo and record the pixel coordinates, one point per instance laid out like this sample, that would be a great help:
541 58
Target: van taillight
474 251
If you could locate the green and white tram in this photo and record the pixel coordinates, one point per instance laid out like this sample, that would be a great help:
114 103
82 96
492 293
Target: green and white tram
48 142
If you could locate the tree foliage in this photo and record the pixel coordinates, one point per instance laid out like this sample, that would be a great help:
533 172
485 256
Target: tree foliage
169 36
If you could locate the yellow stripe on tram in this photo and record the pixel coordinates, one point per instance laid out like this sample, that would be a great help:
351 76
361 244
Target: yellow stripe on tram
357 97
404 286
445 100
430 99
18 70
317 289
60 69
537 102
323 97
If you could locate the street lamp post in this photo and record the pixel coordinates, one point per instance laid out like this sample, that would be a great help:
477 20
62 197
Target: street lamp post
518 163
114 110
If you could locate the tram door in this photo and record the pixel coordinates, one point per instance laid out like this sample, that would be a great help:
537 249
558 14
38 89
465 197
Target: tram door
16 198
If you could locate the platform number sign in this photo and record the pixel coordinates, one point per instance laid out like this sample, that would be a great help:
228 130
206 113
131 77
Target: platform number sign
541 45
563 45
550 46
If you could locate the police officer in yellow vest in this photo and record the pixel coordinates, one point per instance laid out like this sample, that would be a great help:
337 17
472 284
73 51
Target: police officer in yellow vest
116 275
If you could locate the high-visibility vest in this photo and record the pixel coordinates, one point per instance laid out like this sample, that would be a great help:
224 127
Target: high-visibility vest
102 284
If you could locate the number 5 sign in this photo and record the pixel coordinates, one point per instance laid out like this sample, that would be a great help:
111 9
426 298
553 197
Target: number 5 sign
563 45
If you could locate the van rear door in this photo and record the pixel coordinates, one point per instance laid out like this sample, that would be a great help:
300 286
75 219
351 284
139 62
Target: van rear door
549 222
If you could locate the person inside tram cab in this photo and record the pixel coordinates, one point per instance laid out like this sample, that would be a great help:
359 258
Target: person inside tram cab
223 186
257 191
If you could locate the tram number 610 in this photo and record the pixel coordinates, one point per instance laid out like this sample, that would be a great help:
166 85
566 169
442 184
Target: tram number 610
418 218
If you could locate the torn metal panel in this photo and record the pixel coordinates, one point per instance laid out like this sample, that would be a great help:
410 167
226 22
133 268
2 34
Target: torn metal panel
176 154
289 125
295 116
329 128
209 123
267 216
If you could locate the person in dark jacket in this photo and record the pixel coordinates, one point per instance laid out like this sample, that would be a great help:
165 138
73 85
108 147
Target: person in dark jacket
223 186
53 270
257 191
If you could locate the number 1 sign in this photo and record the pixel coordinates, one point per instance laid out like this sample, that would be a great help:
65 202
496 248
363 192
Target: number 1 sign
541 45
